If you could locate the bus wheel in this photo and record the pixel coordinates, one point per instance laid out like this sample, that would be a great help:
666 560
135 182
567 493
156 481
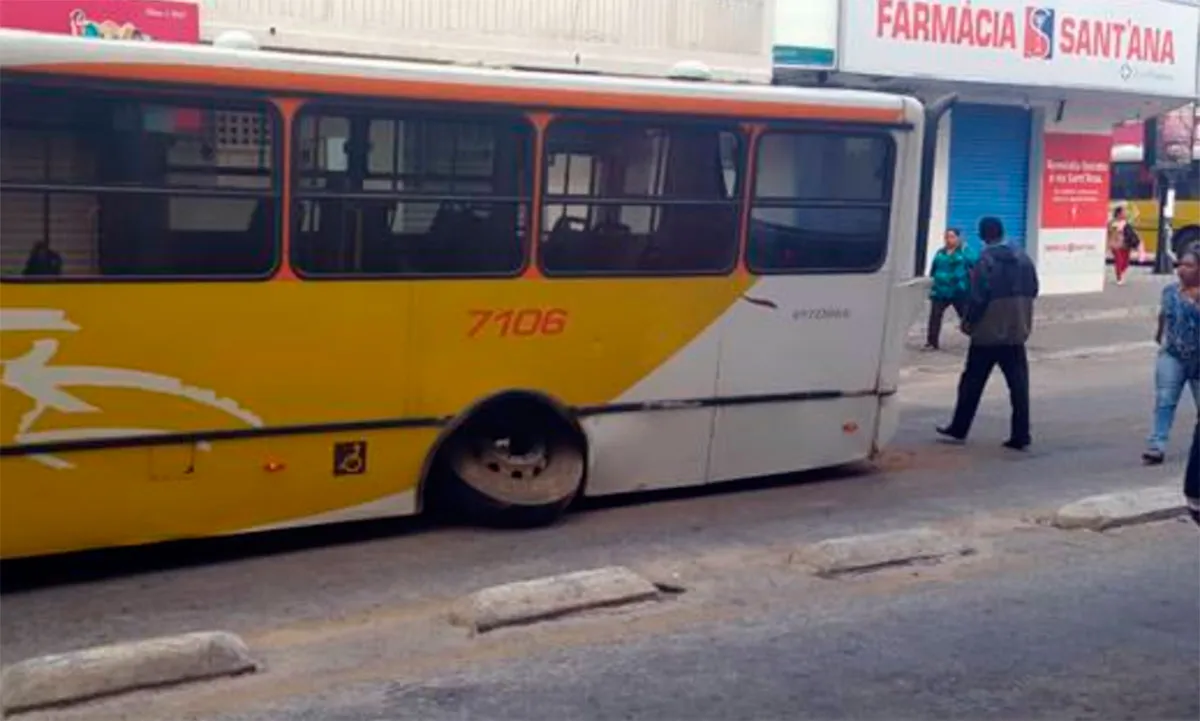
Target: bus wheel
1185 239
514 463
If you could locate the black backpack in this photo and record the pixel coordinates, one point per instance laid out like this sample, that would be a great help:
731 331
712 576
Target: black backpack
1130 238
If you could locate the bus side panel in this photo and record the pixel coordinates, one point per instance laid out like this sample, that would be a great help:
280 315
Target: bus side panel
647 451
801 356
106 360
1144 214
585 342
217 356
793 436
808 337
589 344
135 496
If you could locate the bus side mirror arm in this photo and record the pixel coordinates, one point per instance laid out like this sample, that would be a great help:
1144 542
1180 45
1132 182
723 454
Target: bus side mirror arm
933 119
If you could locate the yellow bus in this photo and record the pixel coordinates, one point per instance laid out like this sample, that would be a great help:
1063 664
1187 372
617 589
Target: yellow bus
1133 188
245 289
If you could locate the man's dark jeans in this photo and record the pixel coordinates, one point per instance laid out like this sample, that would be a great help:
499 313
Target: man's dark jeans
1015 367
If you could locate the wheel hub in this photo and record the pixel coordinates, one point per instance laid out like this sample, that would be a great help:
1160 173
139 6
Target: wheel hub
501 456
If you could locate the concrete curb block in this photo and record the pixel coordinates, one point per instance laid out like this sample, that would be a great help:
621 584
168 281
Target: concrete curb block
551 597
1112 510
869 552
76 676
1067 354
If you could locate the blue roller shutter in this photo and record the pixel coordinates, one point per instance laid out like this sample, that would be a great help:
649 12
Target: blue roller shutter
989 169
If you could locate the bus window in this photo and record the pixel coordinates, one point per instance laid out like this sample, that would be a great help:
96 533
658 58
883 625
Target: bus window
821 203
1131 181
110 184
385 194
1187 187
627 198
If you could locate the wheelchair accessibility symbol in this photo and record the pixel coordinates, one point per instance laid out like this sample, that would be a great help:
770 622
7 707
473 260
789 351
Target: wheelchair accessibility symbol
350 458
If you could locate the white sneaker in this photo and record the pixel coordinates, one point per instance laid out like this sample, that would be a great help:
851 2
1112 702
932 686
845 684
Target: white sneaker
1121 281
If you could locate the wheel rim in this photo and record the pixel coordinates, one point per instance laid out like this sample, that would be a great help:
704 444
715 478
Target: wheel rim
535 471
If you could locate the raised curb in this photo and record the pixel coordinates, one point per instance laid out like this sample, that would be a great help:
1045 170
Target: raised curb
68 678
851 554
539 599
1098 351
1053 317
1112 510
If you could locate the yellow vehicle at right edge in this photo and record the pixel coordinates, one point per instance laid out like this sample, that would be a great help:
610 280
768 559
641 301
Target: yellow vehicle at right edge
1133 188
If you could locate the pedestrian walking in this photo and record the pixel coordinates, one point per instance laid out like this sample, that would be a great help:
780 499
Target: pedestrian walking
951 274
1122 241
1178 361
999 320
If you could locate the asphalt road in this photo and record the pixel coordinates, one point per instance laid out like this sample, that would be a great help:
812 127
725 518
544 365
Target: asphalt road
1040 624
1100 627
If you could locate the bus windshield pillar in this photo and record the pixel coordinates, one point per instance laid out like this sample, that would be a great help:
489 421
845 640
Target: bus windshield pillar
933 118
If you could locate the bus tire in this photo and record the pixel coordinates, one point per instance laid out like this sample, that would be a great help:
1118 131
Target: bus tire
1185 239
514 462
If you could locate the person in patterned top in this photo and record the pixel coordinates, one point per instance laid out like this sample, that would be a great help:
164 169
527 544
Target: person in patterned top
1178 363
951 274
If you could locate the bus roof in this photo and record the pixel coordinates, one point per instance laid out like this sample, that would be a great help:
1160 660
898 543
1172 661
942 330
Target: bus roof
1130 153
1127 154
286 73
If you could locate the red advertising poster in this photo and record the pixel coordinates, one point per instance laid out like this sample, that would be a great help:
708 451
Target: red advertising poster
1075 180
106 19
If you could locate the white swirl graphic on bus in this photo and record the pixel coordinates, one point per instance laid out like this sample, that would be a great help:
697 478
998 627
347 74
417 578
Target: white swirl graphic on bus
42 383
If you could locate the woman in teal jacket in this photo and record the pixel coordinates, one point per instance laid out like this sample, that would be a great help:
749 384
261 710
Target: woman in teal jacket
951 274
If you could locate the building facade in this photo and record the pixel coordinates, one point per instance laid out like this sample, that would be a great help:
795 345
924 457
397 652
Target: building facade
732 38
1039 89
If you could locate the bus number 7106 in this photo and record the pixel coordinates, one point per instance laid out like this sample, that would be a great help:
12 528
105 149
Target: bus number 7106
520 322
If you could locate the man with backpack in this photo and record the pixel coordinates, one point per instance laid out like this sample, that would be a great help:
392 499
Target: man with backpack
999 320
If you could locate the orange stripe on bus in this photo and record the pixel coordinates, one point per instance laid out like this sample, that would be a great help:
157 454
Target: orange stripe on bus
753 132
280 81
540 122
287 114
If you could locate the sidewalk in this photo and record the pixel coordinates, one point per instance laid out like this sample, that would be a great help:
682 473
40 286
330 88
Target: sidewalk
1120 319
1138 298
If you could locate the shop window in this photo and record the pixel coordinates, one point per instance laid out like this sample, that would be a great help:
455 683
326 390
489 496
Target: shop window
822 203
624 198
113 184
386 194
